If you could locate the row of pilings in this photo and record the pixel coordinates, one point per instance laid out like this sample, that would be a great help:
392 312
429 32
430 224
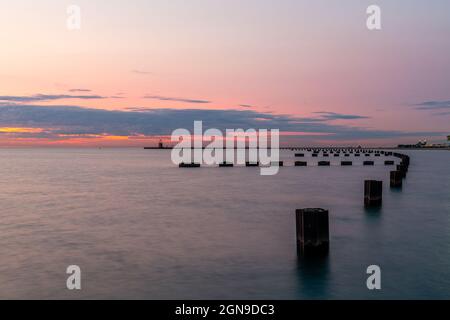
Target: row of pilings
315 153
312 224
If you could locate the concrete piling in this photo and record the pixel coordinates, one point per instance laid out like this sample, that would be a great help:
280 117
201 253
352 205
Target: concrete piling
373 193
312 228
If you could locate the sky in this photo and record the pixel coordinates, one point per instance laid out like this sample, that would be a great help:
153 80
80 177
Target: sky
137 70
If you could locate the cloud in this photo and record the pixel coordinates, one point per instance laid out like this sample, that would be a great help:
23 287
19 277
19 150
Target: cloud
436 108
73 120
80 90
433 105
161 98
246 106
47 97
338 116
141 72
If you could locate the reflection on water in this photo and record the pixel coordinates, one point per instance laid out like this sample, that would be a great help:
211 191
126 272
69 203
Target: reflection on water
313 275
139 227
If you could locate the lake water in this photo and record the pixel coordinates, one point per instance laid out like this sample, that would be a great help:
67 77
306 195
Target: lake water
141 228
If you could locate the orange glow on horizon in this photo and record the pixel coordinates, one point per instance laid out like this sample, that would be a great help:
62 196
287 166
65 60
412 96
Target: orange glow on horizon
20 130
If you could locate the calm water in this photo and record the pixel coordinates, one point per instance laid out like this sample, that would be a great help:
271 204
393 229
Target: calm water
141 228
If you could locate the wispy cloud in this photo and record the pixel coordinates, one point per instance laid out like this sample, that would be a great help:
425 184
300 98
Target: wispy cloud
47 97
80 90
141 72
246 106
433 105
175 99
339 116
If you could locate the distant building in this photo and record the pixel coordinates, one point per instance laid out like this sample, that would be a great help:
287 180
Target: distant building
425 144
160 144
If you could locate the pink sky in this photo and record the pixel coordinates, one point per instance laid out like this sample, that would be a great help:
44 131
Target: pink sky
291 58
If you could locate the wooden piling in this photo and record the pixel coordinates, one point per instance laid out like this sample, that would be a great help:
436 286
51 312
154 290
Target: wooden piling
225 165
189 165
312 228
373 193
396 179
